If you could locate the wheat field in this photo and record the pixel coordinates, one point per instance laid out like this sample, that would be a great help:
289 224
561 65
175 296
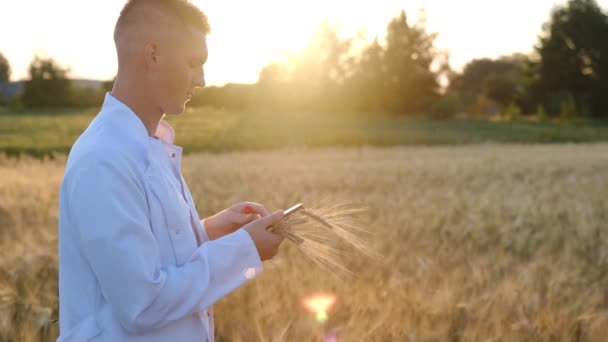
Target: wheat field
475 243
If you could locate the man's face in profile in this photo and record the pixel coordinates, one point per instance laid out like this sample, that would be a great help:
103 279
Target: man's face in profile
181 72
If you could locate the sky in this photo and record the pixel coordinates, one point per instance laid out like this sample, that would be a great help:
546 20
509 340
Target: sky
247 35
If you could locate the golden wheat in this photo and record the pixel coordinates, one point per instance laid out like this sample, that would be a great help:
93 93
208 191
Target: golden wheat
476 243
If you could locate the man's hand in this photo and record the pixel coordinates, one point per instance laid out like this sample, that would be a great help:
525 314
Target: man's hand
233 218
267 243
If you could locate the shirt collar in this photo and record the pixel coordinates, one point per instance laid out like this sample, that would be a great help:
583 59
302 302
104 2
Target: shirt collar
165 132
122 116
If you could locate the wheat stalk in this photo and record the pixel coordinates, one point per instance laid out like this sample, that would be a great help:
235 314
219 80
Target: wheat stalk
322 229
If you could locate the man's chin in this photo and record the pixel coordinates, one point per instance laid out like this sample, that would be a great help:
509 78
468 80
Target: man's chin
176 110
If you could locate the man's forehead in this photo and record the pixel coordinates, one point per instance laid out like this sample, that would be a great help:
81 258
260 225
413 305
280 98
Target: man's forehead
195 42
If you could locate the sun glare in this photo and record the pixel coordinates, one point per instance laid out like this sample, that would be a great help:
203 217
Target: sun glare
247 35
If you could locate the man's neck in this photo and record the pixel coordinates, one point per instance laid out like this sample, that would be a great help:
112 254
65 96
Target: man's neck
129 94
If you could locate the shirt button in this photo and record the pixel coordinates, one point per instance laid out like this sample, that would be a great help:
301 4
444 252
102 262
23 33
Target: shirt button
172 155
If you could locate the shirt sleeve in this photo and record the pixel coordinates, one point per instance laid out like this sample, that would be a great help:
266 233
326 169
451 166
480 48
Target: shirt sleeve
108 206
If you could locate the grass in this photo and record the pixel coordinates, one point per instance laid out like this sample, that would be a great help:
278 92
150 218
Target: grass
42 132
477 243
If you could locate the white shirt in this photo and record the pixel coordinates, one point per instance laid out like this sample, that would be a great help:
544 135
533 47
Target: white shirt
130 268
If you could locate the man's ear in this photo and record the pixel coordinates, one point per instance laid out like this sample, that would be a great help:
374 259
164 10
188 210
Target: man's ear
151 55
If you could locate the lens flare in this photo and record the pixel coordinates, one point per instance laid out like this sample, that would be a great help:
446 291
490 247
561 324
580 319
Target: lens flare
319 305
330 338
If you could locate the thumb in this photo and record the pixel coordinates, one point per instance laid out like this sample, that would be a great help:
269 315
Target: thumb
238 218
246 218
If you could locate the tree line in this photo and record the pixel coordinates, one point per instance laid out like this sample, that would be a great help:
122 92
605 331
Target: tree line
405 74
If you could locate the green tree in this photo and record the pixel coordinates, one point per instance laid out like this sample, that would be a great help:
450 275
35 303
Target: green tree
327 74
5 72
48 85
323 61
368 78
501 89
313 78
274 73
573 58
501 81
410 84
5 69
273 90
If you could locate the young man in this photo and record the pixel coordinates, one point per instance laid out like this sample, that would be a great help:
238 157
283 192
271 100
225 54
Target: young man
135 261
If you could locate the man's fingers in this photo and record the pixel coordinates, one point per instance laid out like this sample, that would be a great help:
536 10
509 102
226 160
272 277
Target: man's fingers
266 242
258 209
246 218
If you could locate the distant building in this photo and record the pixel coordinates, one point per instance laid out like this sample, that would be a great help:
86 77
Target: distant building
10 89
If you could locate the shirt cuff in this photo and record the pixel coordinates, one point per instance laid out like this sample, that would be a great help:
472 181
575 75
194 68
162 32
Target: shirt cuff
252 254
202 232
232 261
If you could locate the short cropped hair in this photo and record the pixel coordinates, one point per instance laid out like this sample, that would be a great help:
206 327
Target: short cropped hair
181 12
